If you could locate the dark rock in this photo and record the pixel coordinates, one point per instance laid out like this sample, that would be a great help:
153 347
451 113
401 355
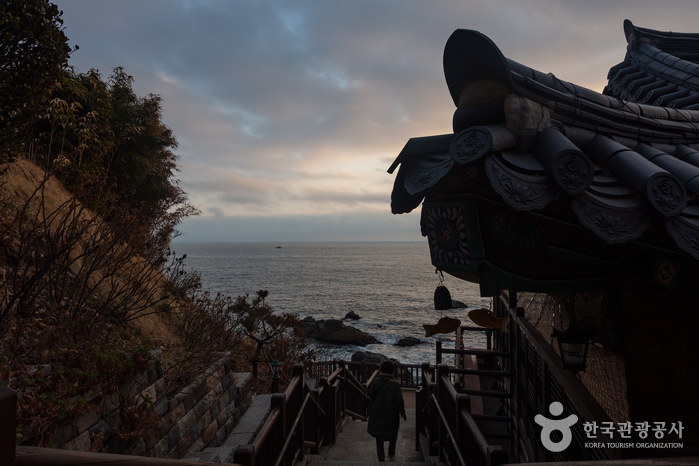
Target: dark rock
350 336
368 356
408 341
378 358
336 332
352 315
458 304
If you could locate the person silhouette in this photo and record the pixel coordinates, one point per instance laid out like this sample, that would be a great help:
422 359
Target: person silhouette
386 406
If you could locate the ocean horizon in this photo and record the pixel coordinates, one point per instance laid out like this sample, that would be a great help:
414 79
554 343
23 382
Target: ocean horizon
389 284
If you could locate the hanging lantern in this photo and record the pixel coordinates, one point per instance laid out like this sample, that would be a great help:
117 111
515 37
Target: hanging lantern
574 342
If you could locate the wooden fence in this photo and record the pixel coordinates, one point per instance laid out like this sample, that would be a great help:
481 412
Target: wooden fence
408 375
444 416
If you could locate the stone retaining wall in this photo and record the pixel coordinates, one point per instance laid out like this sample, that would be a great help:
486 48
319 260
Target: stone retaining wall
201 415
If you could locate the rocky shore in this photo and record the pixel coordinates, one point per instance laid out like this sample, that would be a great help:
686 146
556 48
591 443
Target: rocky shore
334 331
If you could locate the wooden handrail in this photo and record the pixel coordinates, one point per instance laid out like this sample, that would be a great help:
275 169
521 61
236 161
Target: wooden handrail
280 457
477 352
322 412
355 383
450 434
371 379
266 428
475 431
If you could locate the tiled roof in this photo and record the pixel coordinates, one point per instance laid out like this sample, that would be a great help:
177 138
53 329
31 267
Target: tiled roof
624 162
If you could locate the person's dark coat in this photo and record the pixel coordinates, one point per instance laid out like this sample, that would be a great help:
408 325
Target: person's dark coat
386 407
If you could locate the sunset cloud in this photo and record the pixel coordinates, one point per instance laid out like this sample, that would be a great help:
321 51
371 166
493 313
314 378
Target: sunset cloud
294 109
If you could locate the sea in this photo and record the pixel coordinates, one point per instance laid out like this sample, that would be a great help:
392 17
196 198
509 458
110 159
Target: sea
390 285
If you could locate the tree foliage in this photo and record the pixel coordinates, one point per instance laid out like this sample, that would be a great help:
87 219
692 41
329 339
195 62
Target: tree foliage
33 55
101 132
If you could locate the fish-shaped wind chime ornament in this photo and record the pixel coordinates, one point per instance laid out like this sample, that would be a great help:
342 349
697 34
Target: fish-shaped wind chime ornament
486 318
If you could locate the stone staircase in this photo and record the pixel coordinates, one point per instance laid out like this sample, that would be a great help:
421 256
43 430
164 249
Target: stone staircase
354 446
242 434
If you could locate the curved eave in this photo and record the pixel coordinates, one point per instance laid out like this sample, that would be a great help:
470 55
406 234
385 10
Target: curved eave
682 45
595 150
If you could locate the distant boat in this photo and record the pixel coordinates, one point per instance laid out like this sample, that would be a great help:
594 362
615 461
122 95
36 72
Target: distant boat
278 247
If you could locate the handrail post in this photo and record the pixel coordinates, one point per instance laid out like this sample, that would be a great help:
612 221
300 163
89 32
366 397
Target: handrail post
327 402
421 400
279 401
343 387
301 427
244 455
439 352
463 403
8 426
441 395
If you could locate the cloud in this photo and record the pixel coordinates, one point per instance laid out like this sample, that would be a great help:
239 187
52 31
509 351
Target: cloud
299 107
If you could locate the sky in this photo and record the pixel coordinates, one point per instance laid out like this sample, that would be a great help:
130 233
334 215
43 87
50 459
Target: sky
289 113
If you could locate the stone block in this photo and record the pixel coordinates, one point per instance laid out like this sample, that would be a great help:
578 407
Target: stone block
88 420
212 381
114 418
201 390
229 425
161 406
209 433
177 413
160 390
230 407
111 402
220 436
165 425
152 375
183 446
100 427
213 443
200 408
198 429
148 394
156 355
214 409
224 399
222 418
115 445
227 366
197 446
173 437
189 401
80 443
64 433
226 383
151 441
138 448
161 448
187 422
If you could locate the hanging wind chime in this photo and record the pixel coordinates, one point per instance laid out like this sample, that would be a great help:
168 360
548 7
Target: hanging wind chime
442 302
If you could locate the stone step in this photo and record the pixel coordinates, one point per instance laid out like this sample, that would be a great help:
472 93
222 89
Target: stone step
242 434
